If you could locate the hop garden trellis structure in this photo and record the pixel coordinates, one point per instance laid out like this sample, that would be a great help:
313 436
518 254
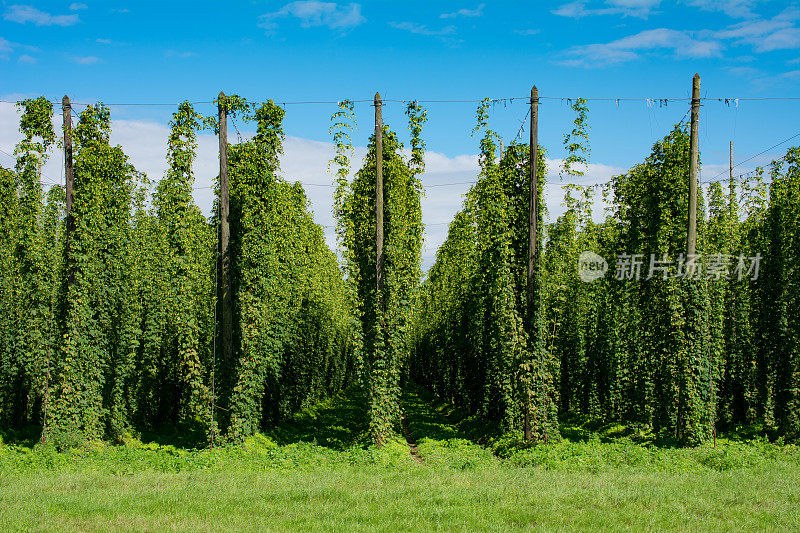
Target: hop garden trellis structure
226 326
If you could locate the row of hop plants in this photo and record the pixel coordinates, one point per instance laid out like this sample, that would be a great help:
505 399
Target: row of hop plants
383 320
109 318
108 322
476 342
681 357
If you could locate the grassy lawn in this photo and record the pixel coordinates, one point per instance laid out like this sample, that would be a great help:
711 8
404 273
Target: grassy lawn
285 481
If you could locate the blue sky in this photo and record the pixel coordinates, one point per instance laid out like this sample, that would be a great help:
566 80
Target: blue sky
165 52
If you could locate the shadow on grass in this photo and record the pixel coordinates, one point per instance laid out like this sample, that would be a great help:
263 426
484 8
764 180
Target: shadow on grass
26 437
430 418
339 423
584 428
185 436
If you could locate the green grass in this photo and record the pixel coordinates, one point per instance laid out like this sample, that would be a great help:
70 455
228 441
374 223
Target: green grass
315 473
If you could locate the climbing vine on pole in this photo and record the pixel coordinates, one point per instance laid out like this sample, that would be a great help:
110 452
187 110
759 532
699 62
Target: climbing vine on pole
385 334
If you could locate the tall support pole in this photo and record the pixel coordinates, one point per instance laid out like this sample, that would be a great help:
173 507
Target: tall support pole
691 242
730 167
533 240
379 196
225 236
66 108
731 184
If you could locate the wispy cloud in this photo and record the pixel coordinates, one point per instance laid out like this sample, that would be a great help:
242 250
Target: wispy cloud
626 8
477 12
732 8
767 81
75 6
85 60
24 14
422 29
111 42
6 47
312 13
26 59
180 55
747 72
527 32
445 34
682 43
764 35
764 79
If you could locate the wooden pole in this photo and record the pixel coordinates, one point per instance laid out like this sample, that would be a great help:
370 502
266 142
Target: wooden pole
66 108
691 243
225 235
379 195
730 167
533 239
731 184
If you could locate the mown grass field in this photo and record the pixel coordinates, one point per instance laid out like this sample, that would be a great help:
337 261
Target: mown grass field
287 481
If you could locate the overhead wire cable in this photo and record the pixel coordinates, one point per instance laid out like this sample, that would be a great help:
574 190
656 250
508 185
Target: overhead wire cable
661 101
753 157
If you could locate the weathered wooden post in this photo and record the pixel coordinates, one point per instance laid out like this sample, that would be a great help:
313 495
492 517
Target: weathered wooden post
225 235
379 197
691 244
533 241
66 108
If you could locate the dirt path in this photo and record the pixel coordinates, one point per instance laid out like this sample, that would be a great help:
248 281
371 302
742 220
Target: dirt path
412 445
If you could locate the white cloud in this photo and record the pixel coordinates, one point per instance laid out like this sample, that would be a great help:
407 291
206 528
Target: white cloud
572 9
527 32
446 179
75 6
765 35
313 13
6 47
24 14
111 42
682 43
744 71
86 60
422 29
785 39
145 143
732 8
25 58
626 8
477 12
